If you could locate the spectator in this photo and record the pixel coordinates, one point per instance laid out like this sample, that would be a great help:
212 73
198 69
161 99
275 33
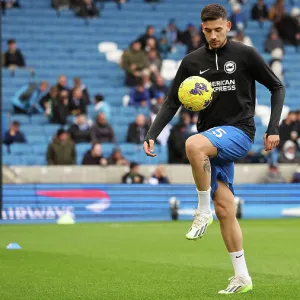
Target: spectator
10 4
62 150
85 94
134 62
101 131
60 109
151 45
13 57
296 176
286 128
150 34
273 175
80 131
176 144
146 79
47 101
288 153
194 44
186 36
140 96
117 158
14 135
26 100
289 30
163 46
154 62
273 41
101 106
237 18
242 38
62 83
159 87
259 11
88 9
172 33
133 176
159 176
77 104
277 11
94 156
137 130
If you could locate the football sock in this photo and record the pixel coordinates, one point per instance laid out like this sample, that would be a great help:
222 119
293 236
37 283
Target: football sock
239 264
204 200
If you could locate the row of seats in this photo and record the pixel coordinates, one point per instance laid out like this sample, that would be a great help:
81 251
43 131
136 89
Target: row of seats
23 154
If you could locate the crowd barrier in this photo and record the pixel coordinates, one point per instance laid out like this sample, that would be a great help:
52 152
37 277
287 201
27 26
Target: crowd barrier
45 203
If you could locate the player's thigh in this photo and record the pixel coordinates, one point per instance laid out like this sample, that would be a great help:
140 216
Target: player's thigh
224 201
200 143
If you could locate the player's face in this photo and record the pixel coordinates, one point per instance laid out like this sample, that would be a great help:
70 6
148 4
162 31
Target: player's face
215 32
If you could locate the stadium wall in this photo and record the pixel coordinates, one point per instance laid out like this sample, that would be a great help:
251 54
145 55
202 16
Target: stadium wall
178 174
45 203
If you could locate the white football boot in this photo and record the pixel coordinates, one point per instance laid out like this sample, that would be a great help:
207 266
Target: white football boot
201 221
238 285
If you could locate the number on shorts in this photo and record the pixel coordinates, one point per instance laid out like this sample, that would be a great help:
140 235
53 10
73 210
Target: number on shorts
218 132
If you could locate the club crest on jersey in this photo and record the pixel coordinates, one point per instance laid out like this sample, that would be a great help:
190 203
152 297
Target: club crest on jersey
230 67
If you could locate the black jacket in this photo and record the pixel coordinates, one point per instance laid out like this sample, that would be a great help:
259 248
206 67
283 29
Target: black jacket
17 138
232 72
88 159
102 133
60 113
257 12
16 58
136 134
176 147
80 135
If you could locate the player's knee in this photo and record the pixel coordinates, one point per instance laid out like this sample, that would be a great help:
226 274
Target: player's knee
194 147
222 212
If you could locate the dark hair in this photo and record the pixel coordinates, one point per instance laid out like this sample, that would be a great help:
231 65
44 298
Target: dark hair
99 98
213 12
133 165
11 41
16 123
60 132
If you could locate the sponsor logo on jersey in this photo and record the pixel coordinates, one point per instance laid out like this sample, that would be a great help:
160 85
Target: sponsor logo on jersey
230 67
223 85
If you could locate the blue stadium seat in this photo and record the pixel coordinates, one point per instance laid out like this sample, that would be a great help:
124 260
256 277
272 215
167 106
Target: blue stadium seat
107 149
22 119
39 149
20 149
129 148
34 160
37 139
12 160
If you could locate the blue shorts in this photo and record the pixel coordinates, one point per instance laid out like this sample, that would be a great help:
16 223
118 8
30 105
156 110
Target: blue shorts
232 144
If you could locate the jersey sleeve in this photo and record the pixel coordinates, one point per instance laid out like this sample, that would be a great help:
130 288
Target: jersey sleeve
262 73
171 104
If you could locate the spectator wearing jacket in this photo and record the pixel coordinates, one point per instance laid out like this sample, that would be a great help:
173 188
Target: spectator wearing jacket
80 131
13 57
26 100
101 131
14 135
61 151
94 156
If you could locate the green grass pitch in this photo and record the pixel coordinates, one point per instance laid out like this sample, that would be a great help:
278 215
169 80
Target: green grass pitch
139 261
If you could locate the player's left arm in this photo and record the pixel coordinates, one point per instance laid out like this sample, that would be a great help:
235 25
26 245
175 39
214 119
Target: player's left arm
262 73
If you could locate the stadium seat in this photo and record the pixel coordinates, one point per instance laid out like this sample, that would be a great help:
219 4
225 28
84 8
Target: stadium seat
20 149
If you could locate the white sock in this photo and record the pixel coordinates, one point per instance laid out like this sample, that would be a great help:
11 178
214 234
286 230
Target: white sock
204 200
239 264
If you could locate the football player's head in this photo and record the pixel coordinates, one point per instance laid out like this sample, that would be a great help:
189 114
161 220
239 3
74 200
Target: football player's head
215 25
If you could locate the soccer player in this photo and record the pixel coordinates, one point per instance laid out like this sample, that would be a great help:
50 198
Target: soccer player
226 129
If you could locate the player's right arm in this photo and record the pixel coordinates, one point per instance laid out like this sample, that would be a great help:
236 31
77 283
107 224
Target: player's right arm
167 111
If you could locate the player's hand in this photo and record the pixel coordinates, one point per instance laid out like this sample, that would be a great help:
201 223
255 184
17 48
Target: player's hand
270 142
149 149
